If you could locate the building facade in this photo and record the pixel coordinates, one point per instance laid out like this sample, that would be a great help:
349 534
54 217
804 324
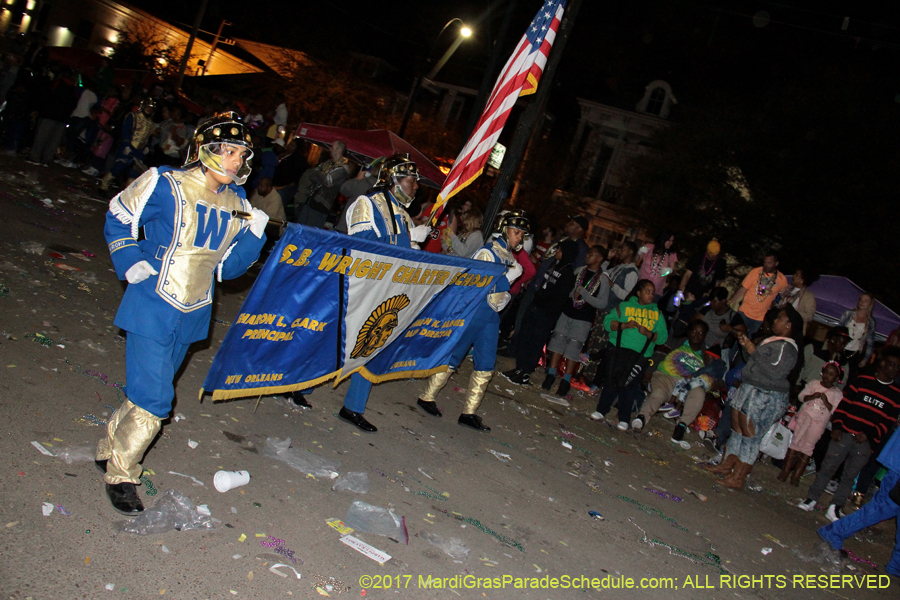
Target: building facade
606 140
98 25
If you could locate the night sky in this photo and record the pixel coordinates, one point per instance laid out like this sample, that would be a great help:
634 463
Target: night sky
615 49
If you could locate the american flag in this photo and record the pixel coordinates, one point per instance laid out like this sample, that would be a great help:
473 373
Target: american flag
519 78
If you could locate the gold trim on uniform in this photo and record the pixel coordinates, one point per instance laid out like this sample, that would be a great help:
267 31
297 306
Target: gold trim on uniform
186 276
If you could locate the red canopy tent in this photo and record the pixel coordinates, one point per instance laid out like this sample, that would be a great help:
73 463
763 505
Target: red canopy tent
365 146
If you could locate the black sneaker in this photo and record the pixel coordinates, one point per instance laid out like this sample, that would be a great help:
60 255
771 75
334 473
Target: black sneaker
564 387
516 376
678 434
549 380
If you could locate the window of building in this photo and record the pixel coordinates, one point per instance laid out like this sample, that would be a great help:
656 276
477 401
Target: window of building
656 102
598 172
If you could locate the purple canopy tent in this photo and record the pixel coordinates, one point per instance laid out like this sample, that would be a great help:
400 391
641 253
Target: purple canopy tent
836 295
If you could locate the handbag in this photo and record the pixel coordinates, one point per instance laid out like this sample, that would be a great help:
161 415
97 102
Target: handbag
776 441
625 364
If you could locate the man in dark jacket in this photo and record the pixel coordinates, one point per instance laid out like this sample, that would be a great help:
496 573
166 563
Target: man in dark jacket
549 301
56 100
319 196
291 166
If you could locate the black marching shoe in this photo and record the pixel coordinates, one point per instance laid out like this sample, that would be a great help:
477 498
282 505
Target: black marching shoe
430 407
564 387
124 498
101 465
548 382
355 418
298 400
473 421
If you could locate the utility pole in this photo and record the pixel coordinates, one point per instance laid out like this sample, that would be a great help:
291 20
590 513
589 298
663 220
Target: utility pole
187 51
525 128
214 44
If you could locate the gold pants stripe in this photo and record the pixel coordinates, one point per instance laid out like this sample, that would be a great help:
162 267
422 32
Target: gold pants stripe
435 383
477 385
128 435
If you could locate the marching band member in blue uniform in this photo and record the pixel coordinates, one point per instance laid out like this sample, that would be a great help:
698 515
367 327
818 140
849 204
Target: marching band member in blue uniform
484 329
190 235
137 129
381 217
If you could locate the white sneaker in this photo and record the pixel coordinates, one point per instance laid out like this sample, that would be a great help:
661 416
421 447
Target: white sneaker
596 416
807 505
93 172
833 513
623 425
638 423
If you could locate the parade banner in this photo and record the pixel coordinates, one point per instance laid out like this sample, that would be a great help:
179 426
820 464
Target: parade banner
326 305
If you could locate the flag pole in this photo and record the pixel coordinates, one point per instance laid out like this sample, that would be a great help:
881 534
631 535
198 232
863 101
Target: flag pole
525 127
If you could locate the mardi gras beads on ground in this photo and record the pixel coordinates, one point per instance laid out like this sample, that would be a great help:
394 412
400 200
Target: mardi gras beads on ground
663 495
502 538
278 547
151 491
709 559
652 511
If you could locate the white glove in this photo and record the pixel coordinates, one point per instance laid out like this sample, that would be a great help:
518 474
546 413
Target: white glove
419 233
138 272
258 222
513 272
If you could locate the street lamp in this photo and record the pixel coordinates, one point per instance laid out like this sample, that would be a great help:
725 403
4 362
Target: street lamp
464 32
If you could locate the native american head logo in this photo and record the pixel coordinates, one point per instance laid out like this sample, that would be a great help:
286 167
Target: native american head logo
378 328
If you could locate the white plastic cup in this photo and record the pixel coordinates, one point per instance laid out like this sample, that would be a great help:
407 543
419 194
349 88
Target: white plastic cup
228 480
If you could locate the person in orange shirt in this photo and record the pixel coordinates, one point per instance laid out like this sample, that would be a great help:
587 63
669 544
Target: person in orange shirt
758 291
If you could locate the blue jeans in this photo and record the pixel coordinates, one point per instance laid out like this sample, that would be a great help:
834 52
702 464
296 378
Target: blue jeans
763 408
880 508
752 325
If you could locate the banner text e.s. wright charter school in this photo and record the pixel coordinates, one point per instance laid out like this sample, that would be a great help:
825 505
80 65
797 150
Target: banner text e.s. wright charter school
326 305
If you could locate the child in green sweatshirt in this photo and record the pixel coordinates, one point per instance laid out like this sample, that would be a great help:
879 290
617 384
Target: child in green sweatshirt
635 327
